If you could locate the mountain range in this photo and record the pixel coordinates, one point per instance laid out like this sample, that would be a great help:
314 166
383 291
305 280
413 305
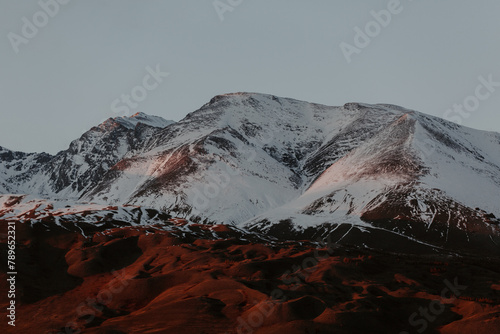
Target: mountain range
375 175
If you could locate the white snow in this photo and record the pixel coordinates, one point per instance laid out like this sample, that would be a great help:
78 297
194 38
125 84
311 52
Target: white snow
237 144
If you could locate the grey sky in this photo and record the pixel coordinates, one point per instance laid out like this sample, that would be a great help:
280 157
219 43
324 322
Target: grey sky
64 80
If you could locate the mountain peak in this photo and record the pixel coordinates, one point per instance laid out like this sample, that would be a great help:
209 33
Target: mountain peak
130 122
241 96
140 117
139 114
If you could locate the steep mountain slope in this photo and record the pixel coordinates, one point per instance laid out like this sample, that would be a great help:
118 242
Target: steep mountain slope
19 166
252 152
70 172
362 173
227 154
420 177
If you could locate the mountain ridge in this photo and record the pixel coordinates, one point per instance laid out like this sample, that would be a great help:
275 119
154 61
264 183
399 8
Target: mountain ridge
257 160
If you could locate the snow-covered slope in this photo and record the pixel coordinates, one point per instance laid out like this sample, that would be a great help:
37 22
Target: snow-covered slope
70 172
19 166
58 217
286 166
238 156
419 177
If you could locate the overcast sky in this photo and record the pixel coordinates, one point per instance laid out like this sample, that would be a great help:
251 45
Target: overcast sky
77 66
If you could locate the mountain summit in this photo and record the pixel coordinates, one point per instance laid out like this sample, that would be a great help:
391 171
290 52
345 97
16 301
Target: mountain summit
366 174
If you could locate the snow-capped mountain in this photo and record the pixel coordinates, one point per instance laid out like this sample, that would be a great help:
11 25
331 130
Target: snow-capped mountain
289 168
81 166
431 181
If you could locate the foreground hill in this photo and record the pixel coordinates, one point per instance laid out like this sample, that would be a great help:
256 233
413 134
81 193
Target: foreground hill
104 270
